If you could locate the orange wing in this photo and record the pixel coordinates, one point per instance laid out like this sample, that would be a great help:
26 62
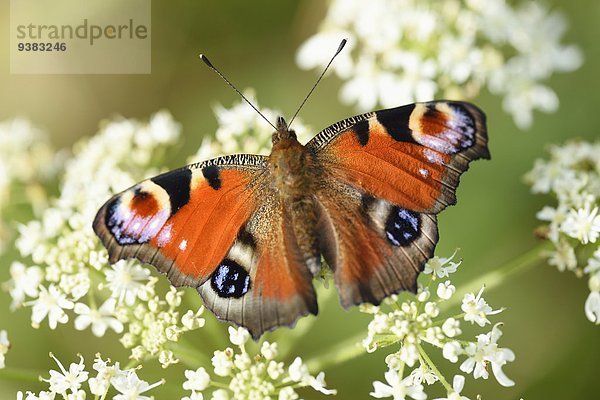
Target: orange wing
387 174
280 283
184 221
411 156
206 226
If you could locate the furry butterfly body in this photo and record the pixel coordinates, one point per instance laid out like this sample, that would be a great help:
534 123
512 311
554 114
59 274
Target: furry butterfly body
249 232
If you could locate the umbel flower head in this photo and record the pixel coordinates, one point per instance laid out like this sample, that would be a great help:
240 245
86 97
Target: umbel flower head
68 278
572 223
27 163
416 327
76 382
402 57
240 375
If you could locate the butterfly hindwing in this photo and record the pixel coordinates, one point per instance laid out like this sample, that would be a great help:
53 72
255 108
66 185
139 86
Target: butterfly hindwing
389 172
280 286
374 247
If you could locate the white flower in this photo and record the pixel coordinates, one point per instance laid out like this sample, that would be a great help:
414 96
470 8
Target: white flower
275 369
445 290
287 393
572 175
593 264
563 256
318 383
422 374
222 362
487 351
458 383
4 346
583 224
476 308
592 304
197 380
269 350
451 327
43 395
100 319
397 388
298 371
162 128
238 336
130 387
24 282
509 49
409 354
451 351
441 267
52 303
191 320
64 380
100 384
592 307
125 280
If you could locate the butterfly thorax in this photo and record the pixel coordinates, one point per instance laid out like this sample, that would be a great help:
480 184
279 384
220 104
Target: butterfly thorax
290 164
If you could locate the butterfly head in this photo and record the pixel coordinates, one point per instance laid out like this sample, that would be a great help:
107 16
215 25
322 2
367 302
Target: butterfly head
282 132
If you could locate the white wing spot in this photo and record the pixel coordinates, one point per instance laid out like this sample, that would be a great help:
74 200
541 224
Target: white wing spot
424 172
433 156
183 245
164 236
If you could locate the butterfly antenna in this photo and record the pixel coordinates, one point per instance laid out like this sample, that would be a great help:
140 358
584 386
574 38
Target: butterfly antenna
209 64
341 46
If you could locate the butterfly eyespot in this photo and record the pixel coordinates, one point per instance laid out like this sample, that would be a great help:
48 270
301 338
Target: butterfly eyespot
230 279
402 226
135 216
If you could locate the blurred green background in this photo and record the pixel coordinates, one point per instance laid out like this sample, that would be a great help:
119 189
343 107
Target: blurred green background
254 44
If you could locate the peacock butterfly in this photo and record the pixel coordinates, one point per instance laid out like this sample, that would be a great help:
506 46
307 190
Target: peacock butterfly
249 231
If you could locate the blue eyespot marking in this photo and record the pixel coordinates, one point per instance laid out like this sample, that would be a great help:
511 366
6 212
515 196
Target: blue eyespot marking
230 280
402 226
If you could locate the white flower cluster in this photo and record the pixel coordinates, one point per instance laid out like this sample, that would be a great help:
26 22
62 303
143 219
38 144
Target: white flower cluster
70 272
401 51
572 176
248 376
27 161
414 324
123 384
241 129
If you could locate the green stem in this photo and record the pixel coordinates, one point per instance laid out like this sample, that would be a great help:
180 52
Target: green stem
21 375
351 348
432 366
